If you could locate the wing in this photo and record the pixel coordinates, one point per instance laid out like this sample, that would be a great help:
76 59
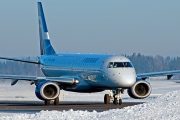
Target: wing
21 60
62 79
169 74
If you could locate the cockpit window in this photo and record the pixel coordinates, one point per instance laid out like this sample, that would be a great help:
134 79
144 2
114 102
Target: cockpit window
127 64
110 65
119 64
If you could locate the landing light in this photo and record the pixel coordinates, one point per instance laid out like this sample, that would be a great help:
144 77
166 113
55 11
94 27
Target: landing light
76 81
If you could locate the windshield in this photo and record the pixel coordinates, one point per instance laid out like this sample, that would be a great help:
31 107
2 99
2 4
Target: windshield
119 64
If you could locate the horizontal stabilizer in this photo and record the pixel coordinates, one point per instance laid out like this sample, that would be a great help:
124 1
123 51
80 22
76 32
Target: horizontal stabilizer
21 60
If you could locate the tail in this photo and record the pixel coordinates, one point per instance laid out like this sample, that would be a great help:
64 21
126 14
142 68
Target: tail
45 44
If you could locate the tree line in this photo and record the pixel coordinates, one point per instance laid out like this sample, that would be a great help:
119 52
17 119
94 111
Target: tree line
19 68
144 63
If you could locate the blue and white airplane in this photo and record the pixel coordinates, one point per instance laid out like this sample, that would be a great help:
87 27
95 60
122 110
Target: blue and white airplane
85 73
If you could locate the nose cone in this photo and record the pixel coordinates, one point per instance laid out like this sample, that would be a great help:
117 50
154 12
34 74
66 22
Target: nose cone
127 80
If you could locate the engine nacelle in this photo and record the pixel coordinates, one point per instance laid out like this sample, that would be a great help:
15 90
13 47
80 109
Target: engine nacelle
141 89
47 90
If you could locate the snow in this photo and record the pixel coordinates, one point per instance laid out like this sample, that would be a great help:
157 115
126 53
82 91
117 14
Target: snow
164 103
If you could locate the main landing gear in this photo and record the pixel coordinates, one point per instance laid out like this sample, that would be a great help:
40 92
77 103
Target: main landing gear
114 96
48 102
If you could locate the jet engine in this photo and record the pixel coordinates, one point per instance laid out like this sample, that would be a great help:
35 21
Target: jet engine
141 89
47 90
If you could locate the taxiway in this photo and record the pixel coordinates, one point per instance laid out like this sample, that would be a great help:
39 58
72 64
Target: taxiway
36 106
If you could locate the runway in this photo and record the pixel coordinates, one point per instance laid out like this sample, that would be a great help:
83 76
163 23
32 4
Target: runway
36 106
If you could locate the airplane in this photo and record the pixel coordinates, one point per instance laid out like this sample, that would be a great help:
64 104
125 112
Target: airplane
84 73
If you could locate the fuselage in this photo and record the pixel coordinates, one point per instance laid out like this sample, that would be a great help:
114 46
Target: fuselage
95 72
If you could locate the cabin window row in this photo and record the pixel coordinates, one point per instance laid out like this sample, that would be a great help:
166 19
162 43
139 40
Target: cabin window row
68 64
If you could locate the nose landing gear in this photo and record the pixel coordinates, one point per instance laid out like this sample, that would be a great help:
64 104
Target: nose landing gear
114 95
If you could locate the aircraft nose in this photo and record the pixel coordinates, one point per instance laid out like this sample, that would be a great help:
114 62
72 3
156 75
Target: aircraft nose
127 80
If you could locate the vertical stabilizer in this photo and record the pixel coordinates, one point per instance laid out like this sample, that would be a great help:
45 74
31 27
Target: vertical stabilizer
45 44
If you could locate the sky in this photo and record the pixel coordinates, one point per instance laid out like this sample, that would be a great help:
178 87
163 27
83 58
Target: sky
92 26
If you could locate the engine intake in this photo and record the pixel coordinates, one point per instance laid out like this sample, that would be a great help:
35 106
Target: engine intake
140 90
47 90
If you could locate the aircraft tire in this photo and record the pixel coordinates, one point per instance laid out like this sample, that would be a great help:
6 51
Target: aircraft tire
106 99
56 101
120 101
115 101
47 102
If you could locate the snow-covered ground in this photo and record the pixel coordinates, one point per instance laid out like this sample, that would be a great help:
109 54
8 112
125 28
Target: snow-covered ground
163 103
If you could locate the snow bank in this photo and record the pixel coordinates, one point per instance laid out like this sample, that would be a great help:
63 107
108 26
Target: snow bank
163 107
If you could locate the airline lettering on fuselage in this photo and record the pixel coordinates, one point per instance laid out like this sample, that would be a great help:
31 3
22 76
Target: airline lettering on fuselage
90 60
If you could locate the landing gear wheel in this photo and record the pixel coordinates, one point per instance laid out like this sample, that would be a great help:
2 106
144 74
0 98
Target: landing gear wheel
56 101
120 101
106 99
47 102
115 101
